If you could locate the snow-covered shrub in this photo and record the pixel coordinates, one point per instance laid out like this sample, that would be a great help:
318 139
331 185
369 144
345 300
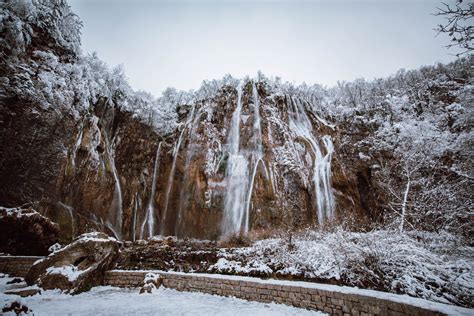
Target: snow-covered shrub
25 21
435 266
151 282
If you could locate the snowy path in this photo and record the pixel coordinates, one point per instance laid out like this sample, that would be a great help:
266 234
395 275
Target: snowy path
107 300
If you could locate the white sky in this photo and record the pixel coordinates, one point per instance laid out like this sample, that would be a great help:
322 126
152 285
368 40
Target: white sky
180 43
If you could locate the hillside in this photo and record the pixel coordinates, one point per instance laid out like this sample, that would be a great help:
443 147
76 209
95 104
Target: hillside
239 158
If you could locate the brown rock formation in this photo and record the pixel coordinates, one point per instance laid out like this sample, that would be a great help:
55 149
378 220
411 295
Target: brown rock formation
98 175
168 254
26 232
78 266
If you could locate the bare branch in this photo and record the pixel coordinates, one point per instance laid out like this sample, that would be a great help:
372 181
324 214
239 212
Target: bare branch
458 25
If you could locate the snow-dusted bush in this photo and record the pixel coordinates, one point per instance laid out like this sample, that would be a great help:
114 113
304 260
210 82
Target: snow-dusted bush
435 266
24 21
151 282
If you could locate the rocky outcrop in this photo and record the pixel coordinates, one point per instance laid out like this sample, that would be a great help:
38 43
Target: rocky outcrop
26 232
78 266
70 166
168 254
101 173
281 144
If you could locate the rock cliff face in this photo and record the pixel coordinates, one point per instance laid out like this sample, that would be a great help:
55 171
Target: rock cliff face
243 160
247 160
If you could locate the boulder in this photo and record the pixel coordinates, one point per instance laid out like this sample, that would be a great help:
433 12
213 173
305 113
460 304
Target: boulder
78 266
23 231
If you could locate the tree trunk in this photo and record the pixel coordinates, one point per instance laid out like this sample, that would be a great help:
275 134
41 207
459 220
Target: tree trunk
404 205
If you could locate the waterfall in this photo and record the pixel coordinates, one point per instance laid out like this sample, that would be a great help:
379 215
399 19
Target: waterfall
170 184
134 218
301 125
70 211
116 205
184 194
77 144
257 130
117 199
241 169
271 167
249 197
236 175
256 152
150 212
112 229
173 168
322 181
236 191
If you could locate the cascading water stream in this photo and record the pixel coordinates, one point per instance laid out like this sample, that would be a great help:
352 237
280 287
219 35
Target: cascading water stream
184 194
117 200
70 211
301 125
326 205
150 212
134 218
173 168
239 180
256 153
116 205
77 144
237 175
113 230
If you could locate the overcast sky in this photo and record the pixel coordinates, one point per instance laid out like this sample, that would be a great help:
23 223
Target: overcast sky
180 43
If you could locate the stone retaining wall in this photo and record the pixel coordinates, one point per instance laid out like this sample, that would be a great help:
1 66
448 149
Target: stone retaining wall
17 265
331 299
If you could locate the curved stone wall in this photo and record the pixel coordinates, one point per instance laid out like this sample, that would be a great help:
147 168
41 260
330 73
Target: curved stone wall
332 299
335 300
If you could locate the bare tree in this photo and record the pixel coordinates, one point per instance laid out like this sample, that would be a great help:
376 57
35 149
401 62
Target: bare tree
458 25
399 193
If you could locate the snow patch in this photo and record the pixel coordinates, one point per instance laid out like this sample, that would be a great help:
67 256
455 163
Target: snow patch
70 272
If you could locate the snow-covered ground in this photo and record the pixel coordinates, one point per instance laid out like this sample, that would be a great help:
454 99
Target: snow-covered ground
108 300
